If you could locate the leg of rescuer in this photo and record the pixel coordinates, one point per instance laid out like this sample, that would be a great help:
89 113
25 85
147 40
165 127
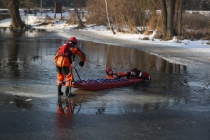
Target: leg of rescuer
69 79
60 78
59 74
67 71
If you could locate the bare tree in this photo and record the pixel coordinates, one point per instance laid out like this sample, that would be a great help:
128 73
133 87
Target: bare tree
78 5
170 4
167 11
95 13
179 21
80 23
127 15
124 15
13 7
110 26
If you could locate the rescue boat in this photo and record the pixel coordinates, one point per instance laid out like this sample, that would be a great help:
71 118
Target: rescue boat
100 84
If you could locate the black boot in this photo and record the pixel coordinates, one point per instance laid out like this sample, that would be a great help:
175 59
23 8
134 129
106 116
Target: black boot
69 94
59 91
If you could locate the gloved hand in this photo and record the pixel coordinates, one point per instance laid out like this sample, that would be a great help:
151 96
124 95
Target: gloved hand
81 63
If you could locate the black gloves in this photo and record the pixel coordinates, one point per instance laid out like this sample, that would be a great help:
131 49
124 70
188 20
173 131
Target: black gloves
81 63
128 75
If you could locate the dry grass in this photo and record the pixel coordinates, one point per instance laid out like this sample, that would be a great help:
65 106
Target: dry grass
72 19
196 20
196 26
153 24
95 20
199 34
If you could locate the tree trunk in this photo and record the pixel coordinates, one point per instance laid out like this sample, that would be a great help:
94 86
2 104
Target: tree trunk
167 10
116 19
116 23
176 18
164 18
179 22
110 26
13 7
170 5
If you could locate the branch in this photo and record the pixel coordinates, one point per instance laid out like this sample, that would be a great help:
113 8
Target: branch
4 2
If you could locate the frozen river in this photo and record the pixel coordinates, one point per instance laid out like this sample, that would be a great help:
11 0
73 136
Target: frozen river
173 106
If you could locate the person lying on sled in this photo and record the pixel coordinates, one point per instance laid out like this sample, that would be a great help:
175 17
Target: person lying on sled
133 73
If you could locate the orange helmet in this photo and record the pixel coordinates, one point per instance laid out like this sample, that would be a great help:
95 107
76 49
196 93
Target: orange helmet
107 70
73 40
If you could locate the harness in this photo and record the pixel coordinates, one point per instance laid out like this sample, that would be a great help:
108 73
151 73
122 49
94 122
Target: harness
65 51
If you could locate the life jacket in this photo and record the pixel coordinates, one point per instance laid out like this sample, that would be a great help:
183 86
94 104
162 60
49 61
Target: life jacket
64 51
113 76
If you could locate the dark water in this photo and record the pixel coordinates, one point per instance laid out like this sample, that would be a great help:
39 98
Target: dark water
28 77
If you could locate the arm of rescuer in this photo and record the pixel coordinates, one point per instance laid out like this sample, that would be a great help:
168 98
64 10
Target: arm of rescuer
81 54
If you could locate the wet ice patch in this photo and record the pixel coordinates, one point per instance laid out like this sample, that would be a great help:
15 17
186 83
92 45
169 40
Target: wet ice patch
192 107
198 84
36 95
44 70
195 84
29 89
199 108
27 100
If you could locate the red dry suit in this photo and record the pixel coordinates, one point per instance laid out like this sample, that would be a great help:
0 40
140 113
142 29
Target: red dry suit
63 59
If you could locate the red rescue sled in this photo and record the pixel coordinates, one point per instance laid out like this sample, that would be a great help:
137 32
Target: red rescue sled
100 84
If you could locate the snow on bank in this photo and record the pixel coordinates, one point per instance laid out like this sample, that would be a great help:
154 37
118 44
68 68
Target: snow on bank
57 24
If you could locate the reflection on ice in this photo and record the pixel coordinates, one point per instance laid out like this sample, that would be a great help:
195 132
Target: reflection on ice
119 103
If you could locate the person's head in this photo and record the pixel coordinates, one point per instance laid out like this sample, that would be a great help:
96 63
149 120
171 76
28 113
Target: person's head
73 41
134 72
109 71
